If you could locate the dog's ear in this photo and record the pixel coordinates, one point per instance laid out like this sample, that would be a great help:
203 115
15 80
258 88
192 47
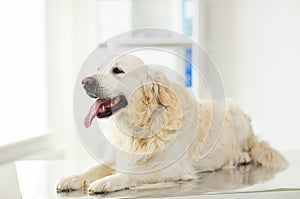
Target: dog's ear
143 102
157 92
150 93
164 90
166 96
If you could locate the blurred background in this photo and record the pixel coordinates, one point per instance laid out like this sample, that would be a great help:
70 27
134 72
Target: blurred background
254 43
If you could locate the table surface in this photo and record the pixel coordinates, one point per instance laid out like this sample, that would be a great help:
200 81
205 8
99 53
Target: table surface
37 179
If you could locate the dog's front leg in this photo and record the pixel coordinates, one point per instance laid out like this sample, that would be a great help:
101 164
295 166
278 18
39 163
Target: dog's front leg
80 181
116 182
121 181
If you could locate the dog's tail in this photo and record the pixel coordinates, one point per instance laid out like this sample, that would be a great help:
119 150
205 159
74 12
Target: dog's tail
264 155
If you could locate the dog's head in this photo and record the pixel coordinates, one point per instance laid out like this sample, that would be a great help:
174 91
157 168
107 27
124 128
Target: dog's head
102 87
146 94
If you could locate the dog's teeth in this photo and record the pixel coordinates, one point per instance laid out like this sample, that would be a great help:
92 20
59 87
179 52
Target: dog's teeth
103 108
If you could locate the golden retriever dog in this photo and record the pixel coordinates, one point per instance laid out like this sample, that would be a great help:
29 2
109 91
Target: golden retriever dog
162 123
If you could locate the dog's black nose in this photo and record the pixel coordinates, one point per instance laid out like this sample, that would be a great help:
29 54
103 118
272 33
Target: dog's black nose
88 81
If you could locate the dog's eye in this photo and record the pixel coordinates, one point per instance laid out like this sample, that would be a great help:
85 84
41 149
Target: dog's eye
117 70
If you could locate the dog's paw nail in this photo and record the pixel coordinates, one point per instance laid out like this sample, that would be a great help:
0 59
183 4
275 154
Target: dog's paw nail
91 192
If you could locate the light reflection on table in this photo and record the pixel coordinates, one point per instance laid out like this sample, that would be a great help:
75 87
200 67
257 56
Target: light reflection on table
210 182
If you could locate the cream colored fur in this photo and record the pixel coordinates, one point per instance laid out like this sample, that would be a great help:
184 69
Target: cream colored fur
162 114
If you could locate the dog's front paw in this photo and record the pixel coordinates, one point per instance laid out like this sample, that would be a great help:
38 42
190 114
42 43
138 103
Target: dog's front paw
106 185
70 183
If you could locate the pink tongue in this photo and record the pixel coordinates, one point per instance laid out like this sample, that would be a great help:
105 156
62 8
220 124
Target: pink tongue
92 113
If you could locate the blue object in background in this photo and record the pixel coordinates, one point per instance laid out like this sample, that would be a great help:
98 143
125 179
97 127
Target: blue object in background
188 67
187 30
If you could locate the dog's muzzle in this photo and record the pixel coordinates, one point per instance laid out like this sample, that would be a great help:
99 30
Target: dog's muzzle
105 105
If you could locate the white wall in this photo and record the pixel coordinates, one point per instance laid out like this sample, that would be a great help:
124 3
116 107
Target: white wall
70 39
256 44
